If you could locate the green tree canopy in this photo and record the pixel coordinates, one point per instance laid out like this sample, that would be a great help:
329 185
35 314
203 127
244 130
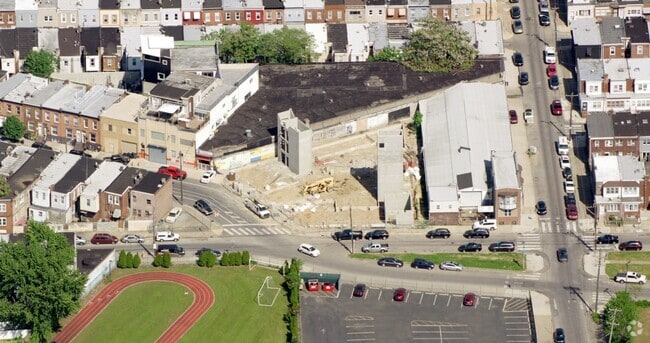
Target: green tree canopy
619 312
13 128
239 46
41 63
387 54
5 190
38 287
438 47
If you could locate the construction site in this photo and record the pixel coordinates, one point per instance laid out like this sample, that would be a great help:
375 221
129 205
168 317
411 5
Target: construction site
341 189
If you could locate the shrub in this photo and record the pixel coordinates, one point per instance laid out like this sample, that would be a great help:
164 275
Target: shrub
121 261
245 257
203 257
225 259
237 259
136 261
158 261
167 260
129 260
643 303
210 260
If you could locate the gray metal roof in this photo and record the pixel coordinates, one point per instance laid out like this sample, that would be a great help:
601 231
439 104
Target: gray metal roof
585 32
191 58
600 125
504 167
56 170
611 30
12 82
590 69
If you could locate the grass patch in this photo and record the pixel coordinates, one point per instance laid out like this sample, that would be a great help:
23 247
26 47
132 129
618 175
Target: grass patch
628 256
613 268
234 317
644 318
501 261
151 305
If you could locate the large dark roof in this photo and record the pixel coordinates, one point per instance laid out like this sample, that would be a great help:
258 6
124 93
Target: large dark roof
78 173
174 31
643 119
637 29
624 125
149 183
320 92
127 179
439 2
109 39
109 4
337 34
278 4
334 2
212 4
89 259
7 42
170 3
375 2
149 4
69 42
30 171
90 40
26 39
166 90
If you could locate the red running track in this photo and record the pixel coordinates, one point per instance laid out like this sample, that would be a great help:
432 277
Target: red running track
203 300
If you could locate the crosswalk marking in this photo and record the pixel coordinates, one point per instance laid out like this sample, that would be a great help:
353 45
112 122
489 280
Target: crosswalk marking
547 226
255 231
529 241
528 276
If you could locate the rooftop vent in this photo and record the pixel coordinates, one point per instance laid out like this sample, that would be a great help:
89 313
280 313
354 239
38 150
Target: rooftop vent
248 133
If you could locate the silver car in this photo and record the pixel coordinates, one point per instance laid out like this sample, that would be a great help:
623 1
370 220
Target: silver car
131 238
517 27
450 265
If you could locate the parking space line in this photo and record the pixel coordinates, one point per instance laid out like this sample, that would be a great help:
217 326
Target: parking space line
360 326
434 300
361 333
360 339
379 297
267 232
477 300
448 301
407 297
421 297
490 305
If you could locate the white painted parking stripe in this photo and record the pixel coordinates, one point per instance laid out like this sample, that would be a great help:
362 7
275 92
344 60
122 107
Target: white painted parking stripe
273 230
286 232
250 231
361 333
228 231
268 232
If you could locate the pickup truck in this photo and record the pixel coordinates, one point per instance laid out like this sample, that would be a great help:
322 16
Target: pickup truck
375 247
257 208
630 277
485 223
174 172
347 235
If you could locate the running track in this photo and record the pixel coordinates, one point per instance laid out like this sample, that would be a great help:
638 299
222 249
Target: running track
203 300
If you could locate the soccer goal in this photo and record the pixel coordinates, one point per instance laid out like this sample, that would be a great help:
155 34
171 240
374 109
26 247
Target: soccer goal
267 293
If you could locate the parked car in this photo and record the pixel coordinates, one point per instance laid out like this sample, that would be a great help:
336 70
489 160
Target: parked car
562 255
420 263
570 199
41 145
172 249
119 158
308 249
523 78
518 59
103 238
515 12
208 176
359 290
569 186
572 212
544 20
216 253
558 336
80 153
502 247
485 223
529 117
517 27
551 70
554 82
478 233
131 238
541 208
167 236
79 240
513 1
174 172
173 215
439 233
631 245
469 299
390 262
513 117
399 294
328 287
556 108
377 234
203 207
565 161
567 173
450 265
470 247
607 239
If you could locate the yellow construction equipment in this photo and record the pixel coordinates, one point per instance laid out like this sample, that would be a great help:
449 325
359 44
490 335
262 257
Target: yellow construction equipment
320 186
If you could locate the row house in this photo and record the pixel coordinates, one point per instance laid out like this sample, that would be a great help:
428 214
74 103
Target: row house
212 12
41 193
355 11
314 12
236 11
69 51
8 13
47 14
109 12
619 134
170 12
16 44
119 124
89 14
334 11
130 13
26 13
620 186
90 204
150 13
294 12
384 11
577 9
114 199
151 198
417 9
441 9
191 10
100 49
66 192
67 13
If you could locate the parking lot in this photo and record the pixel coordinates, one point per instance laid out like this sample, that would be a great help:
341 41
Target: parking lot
421 317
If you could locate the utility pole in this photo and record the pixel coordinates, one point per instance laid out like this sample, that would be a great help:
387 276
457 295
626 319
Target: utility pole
598 279
351 238
612 323
181 156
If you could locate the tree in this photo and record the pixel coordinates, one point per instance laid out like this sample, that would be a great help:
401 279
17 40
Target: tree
129 260
239 46
287 46
619 312
245 257
37 285
136 261
387 54
166 260
41 63
13 128
439 47
4 187
121 261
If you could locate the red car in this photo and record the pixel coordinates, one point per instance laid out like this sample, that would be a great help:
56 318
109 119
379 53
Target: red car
174 172
469 299
513 117
312 285
359 290
571 212
556 108
103 238
399 294
328 287
551 70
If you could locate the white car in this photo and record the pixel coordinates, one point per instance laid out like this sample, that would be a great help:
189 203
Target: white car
79 240
450 265
549 55
308 249
207 176
565 162
167 236
569 186
173 215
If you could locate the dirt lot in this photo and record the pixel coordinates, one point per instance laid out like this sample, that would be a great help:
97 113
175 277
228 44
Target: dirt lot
351 162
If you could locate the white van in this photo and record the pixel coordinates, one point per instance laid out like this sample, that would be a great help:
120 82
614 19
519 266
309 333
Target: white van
166 236
562 145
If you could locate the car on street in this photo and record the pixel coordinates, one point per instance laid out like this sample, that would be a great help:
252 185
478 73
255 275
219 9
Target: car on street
308 249
173 215
567 173
80 153
515 12
216 253
359 290
477 233
528 115
399 294
131 238
565 162
470 247
41 145
554 82
203 207
208 176
119 158
607 239
558 335
174 172
502 247
556 108
544 20
570 199
513 117
562 255
451 265
517 27
79 240
631 245
513 1
103 238
167 236
420 263
518 59
549 55
469 299
572 212
541 208
390 262
569 186
377 234
439 233
523 78
551 70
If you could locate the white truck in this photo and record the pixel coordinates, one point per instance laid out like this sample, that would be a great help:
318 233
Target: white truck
257 208
375 247
549 55
167 236
485 223
630 277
